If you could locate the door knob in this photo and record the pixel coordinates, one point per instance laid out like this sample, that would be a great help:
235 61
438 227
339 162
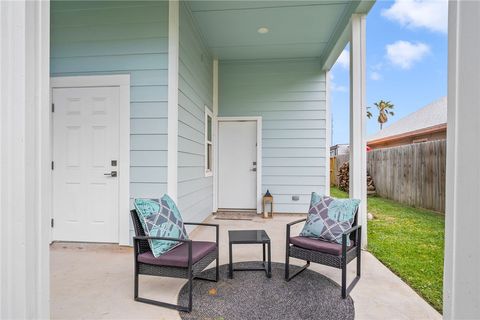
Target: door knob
111 174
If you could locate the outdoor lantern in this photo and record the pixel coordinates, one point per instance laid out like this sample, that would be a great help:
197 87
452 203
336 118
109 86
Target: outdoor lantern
267 200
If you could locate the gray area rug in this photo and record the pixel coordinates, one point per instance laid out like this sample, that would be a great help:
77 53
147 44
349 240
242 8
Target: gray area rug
251 295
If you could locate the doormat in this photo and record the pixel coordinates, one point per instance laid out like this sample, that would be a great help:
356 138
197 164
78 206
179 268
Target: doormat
230 215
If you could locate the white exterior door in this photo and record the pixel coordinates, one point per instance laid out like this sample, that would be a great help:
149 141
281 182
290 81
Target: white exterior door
86 146
237 175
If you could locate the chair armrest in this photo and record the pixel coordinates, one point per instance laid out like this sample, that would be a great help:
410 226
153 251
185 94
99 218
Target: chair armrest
289 225
295 222
357 227
358 238
137 238
202 224
217 232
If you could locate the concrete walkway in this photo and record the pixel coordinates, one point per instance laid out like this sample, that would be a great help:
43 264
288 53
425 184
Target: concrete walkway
95 281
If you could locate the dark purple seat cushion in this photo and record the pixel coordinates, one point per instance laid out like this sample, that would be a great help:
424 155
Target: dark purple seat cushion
318 245
178 256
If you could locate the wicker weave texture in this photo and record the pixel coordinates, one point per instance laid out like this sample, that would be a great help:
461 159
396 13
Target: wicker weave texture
143 245
320 257
176 272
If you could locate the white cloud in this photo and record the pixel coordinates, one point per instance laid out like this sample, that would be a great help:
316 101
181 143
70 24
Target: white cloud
378 66
374 75
334 86
429 14
404 54
344 59
338 88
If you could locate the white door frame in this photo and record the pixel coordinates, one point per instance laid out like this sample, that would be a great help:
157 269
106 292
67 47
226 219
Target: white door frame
258 120
123 83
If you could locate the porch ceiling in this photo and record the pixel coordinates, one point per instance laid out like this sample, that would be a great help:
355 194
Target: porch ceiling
297 29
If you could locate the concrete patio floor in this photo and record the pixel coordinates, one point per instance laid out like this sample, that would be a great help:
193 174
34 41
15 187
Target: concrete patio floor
95 281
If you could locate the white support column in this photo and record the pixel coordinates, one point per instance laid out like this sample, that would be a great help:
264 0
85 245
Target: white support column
358 119
215 134
461 293
172 122
24 159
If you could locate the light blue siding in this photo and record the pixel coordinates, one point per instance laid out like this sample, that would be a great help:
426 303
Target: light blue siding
106 37
290 97
195 92
122 37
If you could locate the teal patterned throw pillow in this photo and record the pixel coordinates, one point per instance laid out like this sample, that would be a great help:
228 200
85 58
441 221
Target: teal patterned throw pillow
328 218
161 218
314 199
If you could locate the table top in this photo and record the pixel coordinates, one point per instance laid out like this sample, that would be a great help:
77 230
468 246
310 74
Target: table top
248 236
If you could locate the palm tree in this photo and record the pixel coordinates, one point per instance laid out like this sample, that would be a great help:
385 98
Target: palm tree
384 110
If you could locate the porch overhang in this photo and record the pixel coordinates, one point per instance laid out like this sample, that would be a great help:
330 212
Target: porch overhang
291 29
319 30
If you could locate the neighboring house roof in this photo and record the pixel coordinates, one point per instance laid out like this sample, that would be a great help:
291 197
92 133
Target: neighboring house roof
339 145
432 117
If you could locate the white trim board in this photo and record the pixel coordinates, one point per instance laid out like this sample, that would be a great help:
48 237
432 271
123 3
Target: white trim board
208 113
328 132
215 132
172 120
123 82
258 120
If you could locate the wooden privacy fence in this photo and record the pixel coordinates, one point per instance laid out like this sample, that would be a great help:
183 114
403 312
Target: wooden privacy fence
413 174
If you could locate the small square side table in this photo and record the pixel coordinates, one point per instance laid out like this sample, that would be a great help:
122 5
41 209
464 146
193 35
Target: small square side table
250 237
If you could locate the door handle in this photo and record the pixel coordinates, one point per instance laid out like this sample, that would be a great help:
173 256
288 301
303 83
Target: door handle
253 169
111 174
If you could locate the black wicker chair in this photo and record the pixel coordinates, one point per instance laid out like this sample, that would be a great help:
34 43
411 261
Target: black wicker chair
326 253
185 261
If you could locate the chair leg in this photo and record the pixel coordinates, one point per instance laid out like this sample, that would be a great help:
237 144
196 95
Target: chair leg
287 259
190 292
217 271
135 290
287 267
359 264
298 272
159 303
164 304
346 290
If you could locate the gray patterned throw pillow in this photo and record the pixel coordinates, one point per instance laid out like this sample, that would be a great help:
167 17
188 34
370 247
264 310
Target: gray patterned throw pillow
328 218
161 218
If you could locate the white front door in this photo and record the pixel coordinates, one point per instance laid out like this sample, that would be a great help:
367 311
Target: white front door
237 153
86 147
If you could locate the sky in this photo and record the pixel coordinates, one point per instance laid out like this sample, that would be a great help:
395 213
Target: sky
406 62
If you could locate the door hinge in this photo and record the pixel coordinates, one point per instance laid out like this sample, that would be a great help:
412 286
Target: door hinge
53 165
52 222
53 107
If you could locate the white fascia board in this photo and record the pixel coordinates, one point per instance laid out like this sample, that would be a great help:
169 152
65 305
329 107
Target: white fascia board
172 122
342 34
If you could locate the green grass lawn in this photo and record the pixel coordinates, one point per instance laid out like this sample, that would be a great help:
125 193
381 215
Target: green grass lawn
410 242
